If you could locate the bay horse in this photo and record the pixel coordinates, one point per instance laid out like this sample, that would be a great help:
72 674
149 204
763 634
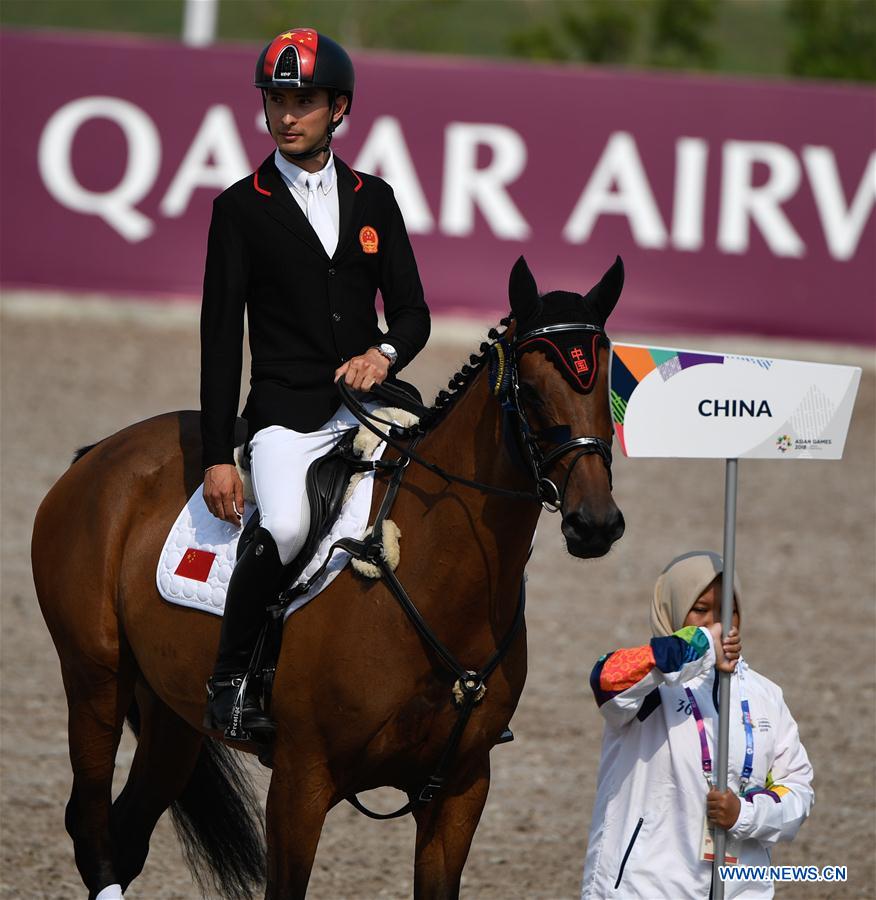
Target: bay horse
361 700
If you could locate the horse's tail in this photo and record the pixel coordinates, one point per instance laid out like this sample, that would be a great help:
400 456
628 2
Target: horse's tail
218 820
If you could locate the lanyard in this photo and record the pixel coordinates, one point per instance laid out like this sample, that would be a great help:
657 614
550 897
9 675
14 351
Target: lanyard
748 762
706 757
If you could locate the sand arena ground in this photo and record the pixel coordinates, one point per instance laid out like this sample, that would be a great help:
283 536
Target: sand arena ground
805 551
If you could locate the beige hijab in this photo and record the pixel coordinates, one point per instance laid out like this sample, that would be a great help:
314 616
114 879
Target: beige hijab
679 585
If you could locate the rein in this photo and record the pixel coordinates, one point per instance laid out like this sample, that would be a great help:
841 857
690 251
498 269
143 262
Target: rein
367 419
547 492
469 687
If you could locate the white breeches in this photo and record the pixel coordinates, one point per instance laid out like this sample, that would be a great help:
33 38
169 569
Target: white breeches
111 892
280 459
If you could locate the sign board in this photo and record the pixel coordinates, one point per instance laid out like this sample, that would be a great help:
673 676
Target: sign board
668 402
762 190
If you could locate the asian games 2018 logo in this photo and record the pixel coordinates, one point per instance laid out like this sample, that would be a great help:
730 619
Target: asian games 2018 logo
784 443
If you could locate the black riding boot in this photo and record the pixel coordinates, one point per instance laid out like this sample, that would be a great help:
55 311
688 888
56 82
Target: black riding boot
254 585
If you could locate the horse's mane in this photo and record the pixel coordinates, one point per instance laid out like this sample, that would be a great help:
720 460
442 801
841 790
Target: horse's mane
82 451
458 384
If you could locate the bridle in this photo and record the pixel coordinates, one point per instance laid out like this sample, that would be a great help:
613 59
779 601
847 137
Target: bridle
540 463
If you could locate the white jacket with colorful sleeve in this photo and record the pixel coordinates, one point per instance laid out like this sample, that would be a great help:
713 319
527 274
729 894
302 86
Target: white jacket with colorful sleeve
647 828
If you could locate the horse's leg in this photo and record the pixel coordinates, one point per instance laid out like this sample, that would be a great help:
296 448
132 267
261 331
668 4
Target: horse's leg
445 828
99 694
166 755
298 799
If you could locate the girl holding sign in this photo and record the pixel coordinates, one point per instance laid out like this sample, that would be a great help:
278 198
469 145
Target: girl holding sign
656 807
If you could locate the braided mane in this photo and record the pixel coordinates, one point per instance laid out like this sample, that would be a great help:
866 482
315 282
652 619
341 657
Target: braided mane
458 384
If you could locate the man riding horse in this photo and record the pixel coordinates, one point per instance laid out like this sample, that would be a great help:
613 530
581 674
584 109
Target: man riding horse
303 244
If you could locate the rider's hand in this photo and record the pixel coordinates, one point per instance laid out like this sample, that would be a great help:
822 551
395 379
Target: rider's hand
361 373
728 650
223 492
722 808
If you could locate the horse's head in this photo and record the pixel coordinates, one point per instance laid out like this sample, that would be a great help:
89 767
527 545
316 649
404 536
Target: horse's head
561 390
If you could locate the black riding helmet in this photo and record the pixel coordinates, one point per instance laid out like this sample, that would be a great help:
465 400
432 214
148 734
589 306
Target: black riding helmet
301 57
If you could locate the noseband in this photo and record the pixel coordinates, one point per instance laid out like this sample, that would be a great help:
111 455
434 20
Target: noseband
541 463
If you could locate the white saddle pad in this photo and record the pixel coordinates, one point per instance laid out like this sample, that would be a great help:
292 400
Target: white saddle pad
198 556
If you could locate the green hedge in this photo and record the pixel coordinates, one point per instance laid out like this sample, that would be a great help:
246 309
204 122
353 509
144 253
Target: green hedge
834 39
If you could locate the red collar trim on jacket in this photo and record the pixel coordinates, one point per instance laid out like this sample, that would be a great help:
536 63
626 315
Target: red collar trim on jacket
255 182
341 166
261 190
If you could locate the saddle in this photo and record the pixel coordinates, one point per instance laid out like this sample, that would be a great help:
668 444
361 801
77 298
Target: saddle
329 476
326 482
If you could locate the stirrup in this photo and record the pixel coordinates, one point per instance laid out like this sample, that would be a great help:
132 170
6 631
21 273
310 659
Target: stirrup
234 709
261 732
233 730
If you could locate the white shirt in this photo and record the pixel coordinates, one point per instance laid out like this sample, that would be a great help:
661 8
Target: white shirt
296 180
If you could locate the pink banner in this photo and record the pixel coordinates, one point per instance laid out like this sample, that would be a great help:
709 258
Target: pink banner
737 205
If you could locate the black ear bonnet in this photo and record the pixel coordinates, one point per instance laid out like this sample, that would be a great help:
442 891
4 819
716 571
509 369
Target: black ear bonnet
568 328
575 354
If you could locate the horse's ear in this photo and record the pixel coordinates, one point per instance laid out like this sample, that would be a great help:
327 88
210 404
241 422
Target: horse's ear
608 290
522 290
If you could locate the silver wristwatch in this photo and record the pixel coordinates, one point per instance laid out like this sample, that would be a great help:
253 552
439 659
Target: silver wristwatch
389 352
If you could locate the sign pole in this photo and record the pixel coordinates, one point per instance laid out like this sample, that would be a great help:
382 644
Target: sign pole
668 402
730 490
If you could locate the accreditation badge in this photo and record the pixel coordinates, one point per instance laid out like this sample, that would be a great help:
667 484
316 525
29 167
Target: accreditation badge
707 846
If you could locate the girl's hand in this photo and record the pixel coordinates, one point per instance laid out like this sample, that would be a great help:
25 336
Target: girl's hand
728 649
722 808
